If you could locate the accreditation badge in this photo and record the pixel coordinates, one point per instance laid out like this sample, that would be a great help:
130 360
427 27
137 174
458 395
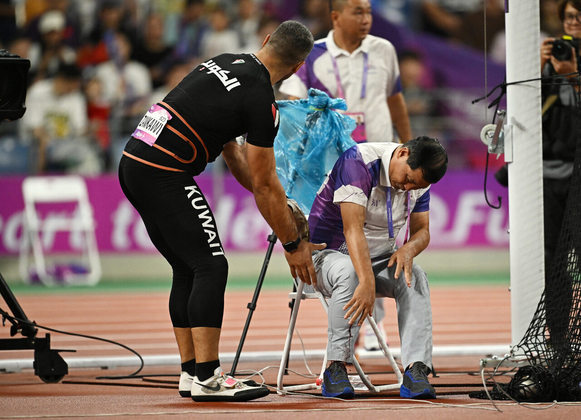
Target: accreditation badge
358 134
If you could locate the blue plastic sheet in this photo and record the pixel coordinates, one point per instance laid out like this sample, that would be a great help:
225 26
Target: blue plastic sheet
311 137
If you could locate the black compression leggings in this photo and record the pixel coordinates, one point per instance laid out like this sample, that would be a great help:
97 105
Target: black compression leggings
182 227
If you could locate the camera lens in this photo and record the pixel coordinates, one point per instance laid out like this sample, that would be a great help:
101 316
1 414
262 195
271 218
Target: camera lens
561 50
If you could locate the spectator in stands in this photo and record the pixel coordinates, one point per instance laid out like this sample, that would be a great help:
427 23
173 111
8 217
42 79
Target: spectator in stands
444 17
100 46
399 12
56 121
8 28
472 33
314 14
126 84
71 33
266 25
99 118
50 52
418 88
220 38
151 50
20 46
551 25
176 72
192 29
246 24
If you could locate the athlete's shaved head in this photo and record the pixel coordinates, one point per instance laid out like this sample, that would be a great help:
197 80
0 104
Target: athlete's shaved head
291 42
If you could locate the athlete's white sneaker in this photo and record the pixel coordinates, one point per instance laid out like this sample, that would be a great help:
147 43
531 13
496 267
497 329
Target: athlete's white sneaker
221 387
185 387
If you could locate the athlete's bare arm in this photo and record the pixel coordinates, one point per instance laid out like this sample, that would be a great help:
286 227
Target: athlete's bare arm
271 201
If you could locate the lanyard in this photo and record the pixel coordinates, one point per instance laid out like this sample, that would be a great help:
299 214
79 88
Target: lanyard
390 214
340 91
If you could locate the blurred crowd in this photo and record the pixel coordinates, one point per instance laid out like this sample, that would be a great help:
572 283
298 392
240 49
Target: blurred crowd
97 65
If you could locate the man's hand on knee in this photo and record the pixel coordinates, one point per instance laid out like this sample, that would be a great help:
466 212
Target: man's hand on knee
361 304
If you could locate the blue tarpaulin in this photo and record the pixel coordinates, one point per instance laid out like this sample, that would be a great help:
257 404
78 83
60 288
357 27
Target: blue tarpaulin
311 137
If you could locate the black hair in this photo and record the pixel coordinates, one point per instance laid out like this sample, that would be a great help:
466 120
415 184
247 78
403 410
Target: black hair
409 54
563 4
69 71
291 41
428 154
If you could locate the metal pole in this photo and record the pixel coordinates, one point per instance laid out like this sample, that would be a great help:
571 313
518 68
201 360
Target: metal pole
252 305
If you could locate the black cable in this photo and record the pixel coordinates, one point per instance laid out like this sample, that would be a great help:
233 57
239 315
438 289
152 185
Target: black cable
91 337
502 86
133 385
496 103
498 197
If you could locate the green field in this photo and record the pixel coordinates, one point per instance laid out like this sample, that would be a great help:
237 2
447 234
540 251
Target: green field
236 283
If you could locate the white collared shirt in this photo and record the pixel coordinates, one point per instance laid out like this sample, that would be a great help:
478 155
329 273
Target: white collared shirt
383 80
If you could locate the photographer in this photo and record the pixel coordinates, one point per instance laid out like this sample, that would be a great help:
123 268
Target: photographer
560 95
554 50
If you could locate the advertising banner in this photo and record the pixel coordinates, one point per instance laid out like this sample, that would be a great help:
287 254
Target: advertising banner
459 216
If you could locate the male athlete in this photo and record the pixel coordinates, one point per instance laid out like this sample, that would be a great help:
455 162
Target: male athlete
221 99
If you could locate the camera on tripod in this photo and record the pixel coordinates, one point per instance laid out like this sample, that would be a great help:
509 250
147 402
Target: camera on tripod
562 47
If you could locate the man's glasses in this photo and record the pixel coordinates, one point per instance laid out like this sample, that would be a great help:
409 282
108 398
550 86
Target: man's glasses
572 17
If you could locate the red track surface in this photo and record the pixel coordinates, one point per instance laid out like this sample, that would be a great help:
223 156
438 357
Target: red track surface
461 314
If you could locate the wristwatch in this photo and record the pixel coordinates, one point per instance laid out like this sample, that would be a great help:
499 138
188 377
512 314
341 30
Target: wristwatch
293 245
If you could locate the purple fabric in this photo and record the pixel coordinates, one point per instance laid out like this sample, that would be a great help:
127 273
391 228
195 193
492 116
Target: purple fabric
423 203
306 73
459 216
397 88
325 223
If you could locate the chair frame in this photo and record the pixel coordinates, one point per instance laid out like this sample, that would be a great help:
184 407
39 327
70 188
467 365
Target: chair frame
57 189
300 295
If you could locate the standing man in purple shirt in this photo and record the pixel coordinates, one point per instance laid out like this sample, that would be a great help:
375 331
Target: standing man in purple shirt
360 68
372 191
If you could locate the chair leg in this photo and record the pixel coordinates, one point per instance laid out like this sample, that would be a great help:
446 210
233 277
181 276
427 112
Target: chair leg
280 389
387 353
299 295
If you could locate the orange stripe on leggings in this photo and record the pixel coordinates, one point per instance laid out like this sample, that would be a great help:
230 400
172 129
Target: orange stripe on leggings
155 165
189 126
184 138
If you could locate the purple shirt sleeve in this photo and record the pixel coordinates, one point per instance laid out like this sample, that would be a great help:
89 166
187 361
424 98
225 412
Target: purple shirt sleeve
423 203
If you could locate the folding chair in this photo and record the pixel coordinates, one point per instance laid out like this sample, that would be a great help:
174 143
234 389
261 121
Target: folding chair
54 190
298 296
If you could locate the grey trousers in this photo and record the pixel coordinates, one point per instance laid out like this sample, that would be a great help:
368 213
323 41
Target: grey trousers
337 281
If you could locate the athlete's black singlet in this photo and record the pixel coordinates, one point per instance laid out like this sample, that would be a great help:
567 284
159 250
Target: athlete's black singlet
222 98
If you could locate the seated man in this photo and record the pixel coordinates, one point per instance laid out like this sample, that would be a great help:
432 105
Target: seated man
358 212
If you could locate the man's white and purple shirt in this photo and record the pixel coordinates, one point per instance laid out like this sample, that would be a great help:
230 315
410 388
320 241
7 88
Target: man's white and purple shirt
360 176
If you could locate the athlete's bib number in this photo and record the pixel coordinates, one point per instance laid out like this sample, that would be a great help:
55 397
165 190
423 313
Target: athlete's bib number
151 125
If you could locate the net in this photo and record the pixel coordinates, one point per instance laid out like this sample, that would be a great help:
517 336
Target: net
552 342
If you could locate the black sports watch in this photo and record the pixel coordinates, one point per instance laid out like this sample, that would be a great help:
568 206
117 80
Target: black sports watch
293 245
